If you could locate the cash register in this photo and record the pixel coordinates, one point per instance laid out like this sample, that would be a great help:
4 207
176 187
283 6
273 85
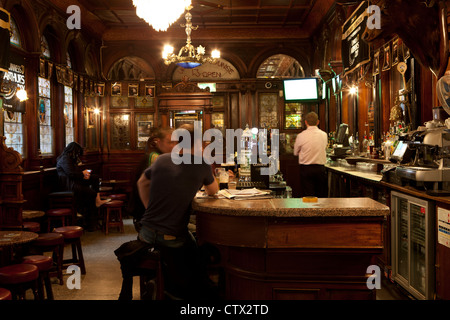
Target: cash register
342 143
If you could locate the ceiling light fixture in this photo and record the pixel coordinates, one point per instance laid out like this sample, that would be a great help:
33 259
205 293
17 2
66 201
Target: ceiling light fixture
160 14
187 57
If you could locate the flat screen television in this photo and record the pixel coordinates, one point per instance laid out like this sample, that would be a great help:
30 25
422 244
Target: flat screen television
301 90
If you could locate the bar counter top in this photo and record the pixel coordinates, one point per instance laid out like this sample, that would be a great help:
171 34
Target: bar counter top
293 207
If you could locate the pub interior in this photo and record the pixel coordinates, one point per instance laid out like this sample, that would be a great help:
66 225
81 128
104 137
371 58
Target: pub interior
93 72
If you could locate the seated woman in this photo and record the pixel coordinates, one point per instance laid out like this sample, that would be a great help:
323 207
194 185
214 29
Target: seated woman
84 185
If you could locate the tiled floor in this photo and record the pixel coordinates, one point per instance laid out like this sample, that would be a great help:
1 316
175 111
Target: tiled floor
103 278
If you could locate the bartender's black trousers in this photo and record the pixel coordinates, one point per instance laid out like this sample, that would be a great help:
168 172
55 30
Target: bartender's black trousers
313 180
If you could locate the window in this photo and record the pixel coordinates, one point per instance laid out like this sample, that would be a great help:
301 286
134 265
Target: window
15 35
68 114
45 107
13 126
13 121
44 115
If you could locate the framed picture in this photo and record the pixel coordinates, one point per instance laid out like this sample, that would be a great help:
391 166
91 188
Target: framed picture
116 89
100 89
133 90
150 91
387 57
376 63
395 53
91 118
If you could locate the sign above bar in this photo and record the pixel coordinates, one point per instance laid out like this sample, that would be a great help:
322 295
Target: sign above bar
208 72
355 51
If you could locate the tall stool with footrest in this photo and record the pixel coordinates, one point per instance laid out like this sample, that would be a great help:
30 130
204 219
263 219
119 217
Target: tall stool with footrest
72 235
44 264
63 199
63 215
51 242
112 215
18 278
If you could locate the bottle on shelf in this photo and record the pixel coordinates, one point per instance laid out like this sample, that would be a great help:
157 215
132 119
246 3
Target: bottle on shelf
365 146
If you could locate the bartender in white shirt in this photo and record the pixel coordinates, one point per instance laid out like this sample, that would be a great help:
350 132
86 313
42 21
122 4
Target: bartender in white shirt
310 146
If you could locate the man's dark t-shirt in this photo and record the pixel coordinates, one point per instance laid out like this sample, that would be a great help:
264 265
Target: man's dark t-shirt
172 189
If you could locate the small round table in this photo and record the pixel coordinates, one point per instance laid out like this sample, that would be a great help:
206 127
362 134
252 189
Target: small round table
9 240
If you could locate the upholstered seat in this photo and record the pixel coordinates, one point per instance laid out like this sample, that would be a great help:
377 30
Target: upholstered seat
63 215
72 235
18 278
112 215
51 242
44 264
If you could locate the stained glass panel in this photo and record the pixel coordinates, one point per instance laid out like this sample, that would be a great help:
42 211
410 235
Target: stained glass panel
45 48
15 35
68 114
44 114
268 106
13 127
120 131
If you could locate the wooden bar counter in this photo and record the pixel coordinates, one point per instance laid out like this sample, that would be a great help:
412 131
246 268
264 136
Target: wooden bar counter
288 249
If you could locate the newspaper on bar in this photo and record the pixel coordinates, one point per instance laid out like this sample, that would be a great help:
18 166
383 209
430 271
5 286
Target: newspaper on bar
243 194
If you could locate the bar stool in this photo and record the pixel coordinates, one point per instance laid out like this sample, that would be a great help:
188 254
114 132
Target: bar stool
44 264
63 199
72 235
151 265
18 278
63 215
5 294
112 215
51 242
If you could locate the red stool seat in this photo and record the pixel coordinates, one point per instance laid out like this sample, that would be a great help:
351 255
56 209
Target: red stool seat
70 232
72 235
63 215
32 226
18 273
113 204
49 239
59 212
44 263
121 197
5 294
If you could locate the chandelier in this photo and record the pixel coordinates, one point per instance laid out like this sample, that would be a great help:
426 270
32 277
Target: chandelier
160 14
188 57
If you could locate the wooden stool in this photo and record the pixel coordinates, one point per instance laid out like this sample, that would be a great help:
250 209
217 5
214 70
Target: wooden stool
63 215
44 264
151 265
72 235
51 242
5 294
113 215
32 226
63 199
18 278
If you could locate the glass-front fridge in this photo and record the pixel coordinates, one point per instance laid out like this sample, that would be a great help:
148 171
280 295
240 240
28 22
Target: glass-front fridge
412 222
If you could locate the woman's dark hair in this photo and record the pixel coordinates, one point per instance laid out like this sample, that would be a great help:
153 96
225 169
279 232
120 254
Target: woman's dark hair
73 150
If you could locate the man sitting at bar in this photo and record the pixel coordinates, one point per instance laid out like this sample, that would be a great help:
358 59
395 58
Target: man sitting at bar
167 189
310 146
